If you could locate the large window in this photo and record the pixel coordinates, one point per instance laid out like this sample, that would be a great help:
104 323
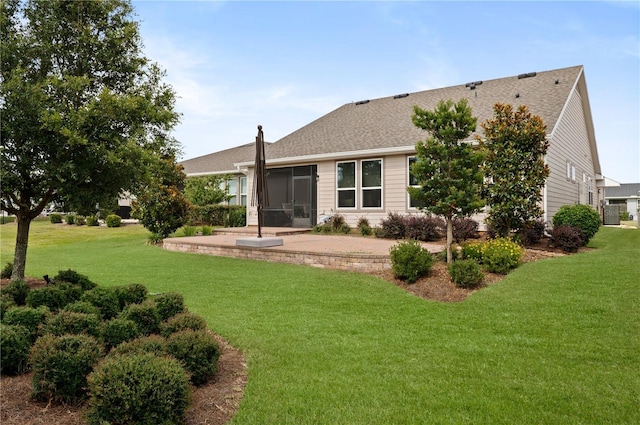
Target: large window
413 182
232 188
372 183
346 179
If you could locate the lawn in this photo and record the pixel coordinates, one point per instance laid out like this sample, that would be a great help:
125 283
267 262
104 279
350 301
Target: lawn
556 342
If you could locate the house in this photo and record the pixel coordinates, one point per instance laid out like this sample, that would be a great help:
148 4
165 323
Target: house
355 160
627 196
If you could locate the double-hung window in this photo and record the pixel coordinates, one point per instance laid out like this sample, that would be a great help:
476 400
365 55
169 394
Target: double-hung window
232 191
346 184
243 191
371 183
413 182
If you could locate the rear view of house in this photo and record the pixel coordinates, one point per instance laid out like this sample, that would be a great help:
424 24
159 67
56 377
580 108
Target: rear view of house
355 160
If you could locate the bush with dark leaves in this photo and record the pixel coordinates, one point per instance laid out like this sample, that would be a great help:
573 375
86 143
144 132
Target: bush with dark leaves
568 238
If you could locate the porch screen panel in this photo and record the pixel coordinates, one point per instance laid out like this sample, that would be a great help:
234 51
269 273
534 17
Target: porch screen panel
372 183
346 179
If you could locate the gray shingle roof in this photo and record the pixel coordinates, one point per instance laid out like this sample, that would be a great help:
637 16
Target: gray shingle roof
221 162
625 190
386 122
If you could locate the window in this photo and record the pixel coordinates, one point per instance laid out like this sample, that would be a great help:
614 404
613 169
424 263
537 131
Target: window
232 191
346 182
243 191
573 173
371 183
413 182
568 170
590 189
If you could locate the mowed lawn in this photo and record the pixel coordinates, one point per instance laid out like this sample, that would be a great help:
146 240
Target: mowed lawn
556 342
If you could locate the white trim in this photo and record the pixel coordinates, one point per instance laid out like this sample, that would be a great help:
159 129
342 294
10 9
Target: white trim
380 188
346 189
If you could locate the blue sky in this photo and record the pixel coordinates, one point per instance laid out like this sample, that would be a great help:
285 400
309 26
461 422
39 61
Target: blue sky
238 64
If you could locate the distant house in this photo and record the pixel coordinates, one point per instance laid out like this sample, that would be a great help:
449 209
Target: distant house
627 195
355 160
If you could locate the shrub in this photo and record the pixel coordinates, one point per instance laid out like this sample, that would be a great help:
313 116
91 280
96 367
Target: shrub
61 365
423 227
183 321
581 216
92 220
409 260
133 293
116 331
76 278
197 351
71 292
6 303
624 215
145 316
207 230
105 299
113 220
501 255
125 390
55 218
30 318
80 220
169 304
392 227
364 227
568 238
17 290
152 344
466 273
531 233
472 251
464 228
70 322
189 230
15 343
70 218
7 270
83 307
53 297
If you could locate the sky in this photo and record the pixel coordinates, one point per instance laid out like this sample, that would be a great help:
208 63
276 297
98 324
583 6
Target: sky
238 64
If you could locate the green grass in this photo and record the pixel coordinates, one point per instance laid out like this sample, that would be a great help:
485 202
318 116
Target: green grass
556 342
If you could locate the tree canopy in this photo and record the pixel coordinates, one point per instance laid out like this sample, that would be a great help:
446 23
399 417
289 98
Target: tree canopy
85 115
447 167
515 144
206 190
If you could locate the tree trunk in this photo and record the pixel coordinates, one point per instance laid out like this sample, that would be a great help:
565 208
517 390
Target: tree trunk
449 239
22 241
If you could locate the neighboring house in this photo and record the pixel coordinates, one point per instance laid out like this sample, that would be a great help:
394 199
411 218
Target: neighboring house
355 160
627 194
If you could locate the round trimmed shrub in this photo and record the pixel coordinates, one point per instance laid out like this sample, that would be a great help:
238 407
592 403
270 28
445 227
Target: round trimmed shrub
83 307
15 343
501 255
472 251
30 318
55 218
126 390
464 228
105 299
70 322
80 220
70 218
568 238
6 303
7 270
113 220
18 290
145 316
92 220
152 344
466 273
52 296
581 216
134 293
183 321
116 331
169 304
410 260
197 351
61 365
76 278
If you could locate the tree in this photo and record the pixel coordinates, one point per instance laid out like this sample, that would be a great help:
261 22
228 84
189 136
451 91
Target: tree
515 144
206 190
84 114
447 167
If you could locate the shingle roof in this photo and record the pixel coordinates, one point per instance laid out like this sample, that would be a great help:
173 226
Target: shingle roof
386 122
625 190
221 162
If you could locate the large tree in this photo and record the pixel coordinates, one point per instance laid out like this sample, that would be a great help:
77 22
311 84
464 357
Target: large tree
447 166
85 115
515 144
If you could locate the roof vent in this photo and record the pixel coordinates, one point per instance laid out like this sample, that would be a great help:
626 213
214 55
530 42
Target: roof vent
527 75
517 95
557 81
473 84
362 102
400 96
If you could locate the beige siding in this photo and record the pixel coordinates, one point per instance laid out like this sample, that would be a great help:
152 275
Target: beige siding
569 143
326 188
